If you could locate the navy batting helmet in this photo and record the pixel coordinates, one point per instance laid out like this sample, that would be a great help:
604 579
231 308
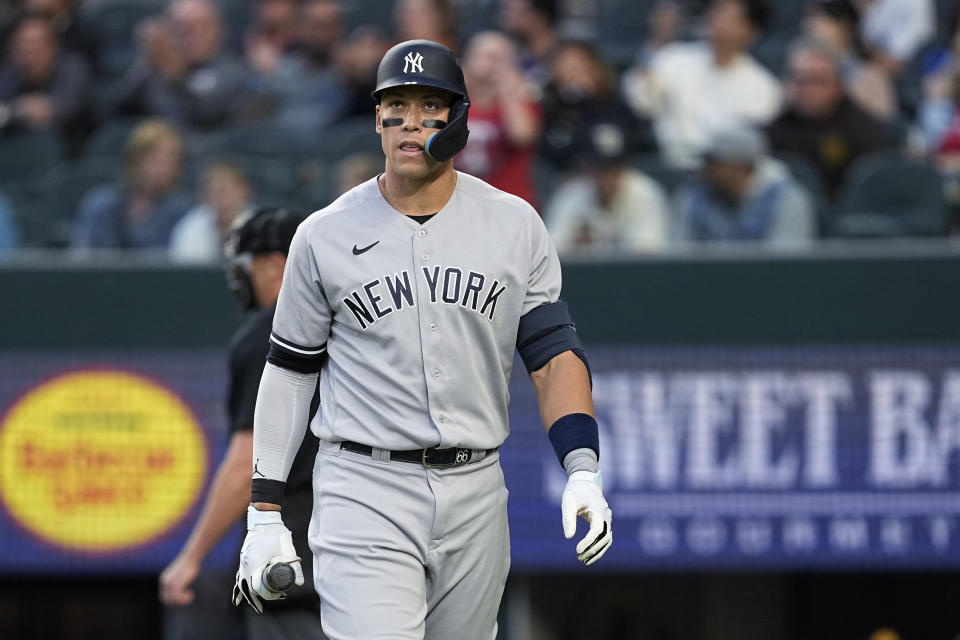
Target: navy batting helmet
429 64
267 230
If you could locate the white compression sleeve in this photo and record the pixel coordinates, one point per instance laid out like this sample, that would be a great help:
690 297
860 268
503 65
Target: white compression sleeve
280 420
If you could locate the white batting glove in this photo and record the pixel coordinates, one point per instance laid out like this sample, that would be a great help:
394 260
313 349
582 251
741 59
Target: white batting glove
268 541
583 496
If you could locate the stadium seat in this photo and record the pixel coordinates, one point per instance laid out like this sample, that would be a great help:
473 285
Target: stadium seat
621 27
476 16
114 23
771 52
946 12
110 139
358 13
47 203
651 164
346 137
314 185
890 195
909 82
270 156
272 179
25 155
546 181
260 140
808 176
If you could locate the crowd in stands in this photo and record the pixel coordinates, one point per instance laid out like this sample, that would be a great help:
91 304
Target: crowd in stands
634 126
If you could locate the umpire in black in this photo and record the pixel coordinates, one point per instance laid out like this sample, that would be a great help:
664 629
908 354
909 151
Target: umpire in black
257 253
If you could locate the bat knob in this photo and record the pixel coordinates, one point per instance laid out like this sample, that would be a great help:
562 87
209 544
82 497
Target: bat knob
279 577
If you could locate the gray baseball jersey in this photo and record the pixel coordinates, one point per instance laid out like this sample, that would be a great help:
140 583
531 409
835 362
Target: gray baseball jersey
419 321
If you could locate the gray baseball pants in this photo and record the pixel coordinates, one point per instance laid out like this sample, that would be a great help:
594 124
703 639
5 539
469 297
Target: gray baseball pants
292 624
402 552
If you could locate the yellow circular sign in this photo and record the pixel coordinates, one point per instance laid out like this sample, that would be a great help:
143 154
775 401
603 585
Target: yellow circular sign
100 460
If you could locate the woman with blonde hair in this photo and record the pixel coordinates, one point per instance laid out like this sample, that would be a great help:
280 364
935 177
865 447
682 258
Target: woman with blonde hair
140 210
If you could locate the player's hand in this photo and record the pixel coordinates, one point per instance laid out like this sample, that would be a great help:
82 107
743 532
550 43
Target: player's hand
175 581
583 496
268 541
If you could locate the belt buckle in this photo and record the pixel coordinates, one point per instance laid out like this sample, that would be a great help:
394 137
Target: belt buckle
463 456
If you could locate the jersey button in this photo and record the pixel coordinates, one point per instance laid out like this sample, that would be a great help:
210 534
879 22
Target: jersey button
426 257
443 419
436 373
433 326
422 232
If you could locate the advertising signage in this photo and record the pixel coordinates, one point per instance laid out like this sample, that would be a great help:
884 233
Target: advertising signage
713 458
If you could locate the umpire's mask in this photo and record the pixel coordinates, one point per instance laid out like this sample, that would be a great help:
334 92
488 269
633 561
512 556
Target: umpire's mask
267 230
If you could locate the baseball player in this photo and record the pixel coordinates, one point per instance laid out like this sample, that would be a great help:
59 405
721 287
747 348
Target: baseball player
410 294
258 250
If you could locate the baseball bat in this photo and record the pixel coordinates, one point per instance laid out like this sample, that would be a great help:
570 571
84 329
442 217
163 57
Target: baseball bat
279 576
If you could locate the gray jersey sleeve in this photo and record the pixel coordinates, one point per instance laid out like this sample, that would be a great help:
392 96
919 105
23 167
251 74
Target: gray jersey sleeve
302 322
544 283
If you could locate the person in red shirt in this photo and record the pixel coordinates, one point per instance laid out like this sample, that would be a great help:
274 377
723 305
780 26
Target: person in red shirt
505 118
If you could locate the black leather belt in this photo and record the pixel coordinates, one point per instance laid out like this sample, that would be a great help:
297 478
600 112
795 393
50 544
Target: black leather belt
432 458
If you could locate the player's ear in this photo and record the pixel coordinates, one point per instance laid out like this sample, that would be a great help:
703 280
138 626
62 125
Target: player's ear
379 124
277 262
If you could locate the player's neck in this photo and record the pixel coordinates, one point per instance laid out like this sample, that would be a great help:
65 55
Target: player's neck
415 197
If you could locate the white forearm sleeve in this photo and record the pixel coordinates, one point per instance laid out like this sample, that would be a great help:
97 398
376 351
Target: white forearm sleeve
280 420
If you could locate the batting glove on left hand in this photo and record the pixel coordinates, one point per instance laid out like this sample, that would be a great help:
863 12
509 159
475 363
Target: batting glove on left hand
583 496
268 542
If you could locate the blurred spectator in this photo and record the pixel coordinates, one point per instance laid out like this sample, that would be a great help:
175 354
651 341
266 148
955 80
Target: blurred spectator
8 14
73 31
611 207
694 89
357 59
426 19
742 195
946 150
142 209
182 75
306 88
226 199
272 33
664 26
894 30
9 238
821 123
533 24
42 87
936 113
356 169
505 117
582 92
834 24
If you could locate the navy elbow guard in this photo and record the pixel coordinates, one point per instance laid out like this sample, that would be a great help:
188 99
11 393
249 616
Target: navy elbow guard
574 431
548 331
294 357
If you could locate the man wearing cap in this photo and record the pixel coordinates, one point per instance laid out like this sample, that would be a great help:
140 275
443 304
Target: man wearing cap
741 195
610 207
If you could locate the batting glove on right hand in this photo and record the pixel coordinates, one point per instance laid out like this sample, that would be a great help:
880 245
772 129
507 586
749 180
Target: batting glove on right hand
583 496
268 542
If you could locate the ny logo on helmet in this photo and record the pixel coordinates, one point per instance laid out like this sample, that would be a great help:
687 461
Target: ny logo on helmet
413 62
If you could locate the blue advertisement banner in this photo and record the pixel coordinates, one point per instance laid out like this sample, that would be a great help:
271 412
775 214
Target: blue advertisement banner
713 458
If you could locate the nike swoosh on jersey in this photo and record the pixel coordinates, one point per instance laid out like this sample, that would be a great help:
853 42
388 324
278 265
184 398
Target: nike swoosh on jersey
357 252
